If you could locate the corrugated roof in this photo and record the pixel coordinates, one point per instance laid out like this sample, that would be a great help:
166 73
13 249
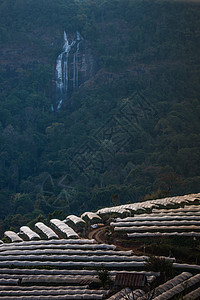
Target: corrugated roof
130 279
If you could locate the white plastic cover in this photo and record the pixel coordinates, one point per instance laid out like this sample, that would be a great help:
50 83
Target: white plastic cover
148 228
13 236
76 220
156 223
90 215
31 235
73 264
152 204
172 292
64 228
48 232
66 252
152 234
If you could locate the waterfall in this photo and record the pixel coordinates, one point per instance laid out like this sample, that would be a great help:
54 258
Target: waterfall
63 69
78 37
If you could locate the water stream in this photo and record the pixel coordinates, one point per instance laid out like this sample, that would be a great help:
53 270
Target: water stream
63 72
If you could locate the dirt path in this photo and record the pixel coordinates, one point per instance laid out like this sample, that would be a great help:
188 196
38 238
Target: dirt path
98 234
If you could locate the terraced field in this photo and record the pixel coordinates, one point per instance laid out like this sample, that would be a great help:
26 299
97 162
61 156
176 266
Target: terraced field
54 262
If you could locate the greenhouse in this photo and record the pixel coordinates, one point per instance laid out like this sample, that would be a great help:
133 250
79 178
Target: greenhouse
30 234
153 204
66 245
90 216
177 289
48 232
66 252
156 223
12 236
126 293
157 228
64 228
74 219
158 217
194 295
154 234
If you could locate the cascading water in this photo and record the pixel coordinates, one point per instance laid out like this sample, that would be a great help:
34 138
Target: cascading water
62 69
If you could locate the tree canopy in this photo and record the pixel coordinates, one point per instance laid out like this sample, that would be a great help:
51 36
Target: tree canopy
132 132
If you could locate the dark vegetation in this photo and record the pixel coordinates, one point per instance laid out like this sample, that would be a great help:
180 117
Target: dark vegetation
146 90
183 249
161 265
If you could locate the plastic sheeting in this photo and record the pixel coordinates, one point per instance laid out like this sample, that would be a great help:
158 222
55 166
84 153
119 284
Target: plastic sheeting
48 232
57 279
189 208
127 294
76 220
60 297
171 283
41 279
79 258
186 266
11 273
48 292
118 295
156 223
179 288
72 264
159 217
8 281
135 294
179 279
65 252
40 287
151 204
90 215
148 228
55 242
194 295
154 234
13 236
115 210
58 246
31 235
64 228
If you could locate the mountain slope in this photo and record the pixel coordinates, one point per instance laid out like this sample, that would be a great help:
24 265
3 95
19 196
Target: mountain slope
131 130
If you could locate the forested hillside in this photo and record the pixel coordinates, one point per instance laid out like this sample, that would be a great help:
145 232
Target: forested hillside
131 132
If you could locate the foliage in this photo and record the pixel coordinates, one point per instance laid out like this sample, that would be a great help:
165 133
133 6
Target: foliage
103 275
157 264
146 90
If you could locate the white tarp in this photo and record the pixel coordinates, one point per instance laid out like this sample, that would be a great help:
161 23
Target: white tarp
31 235
148 228
172 292
64 228
152 234
156 223
158 217
13 236
90 215
48 232
65 252
76 220
152 204
56 246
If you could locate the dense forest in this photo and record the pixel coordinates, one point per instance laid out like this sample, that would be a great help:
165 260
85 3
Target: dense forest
130 133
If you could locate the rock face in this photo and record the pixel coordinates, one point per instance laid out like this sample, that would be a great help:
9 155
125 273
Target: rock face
74 66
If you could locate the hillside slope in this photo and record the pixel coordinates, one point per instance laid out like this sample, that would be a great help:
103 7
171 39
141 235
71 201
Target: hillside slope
131 131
